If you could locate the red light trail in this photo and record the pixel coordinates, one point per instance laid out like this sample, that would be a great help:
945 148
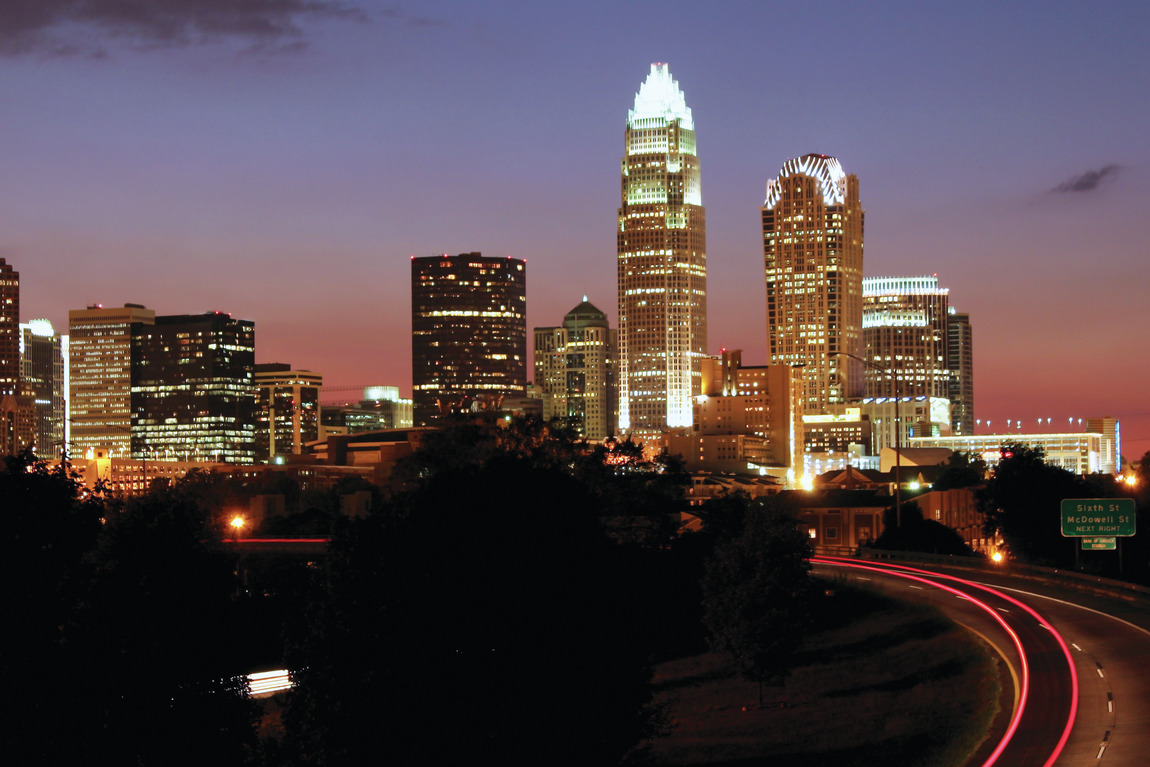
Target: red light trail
927 577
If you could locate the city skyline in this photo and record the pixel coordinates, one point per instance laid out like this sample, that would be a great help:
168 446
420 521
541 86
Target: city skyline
1001 152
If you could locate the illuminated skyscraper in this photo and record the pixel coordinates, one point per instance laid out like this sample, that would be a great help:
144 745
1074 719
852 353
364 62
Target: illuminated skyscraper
575 368
468 333
662 266
9 329
100 369
287 409
42 371
193 396
960 360
905 336
813 255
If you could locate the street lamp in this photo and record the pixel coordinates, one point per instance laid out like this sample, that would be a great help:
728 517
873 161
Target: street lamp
894 383
237 524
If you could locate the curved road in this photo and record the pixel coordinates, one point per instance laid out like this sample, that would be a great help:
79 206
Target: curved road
1042 708
1079 663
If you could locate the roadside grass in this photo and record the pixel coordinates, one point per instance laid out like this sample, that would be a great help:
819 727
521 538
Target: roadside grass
878 682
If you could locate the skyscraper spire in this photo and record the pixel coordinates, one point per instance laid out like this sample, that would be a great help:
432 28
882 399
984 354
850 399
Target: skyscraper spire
662 265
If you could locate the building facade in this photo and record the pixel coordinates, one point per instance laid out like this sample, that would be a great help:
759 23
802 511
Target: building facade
469 333
813 255
287 409
100 373
662 261
575 369
895 421
192 393
9 329
747 419
42 371
1086 452
905 334
960 361
380 408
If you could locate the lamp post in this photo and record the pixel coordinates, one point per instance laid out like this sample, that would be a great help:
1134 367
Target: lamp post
894 383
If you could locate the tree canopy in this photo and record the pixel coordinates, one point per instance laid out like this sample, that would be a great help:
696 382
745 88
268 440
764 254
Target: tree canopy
1022 502
961 470
917 533
119 626
756 593
480 617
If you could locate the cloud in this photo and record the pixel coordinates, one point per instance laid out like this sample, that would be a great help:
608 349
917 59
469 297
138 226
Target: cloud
78 27
1088 180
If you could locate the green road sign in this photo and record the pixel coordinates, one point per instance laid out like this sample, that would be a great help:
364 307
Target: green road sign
1099 544
1097 516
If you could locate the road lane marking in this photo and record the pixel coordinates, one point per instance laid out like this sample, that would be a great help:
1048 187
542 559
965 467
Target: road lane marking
1127 623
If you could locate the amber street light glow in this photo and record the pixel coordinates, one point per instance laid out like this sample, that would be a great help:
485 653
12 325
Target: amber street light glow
237 523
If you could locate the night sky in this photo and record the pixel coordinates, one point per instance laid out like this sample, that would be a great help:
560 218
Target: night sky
283 164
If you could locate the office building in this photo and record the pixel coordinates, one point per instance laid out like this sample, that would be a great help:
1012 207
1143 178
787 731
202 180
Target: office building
287 409
42 371
813 256
960 361
906 417
1110 459
662 262
100 372
747 419
1086 452
575 369
469 333
9 329
905 334
381 408
192 392
17 423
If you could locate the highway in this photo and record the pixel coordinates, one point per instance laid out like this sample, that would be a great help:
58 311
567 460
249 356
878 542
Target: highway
1077 662
1038 713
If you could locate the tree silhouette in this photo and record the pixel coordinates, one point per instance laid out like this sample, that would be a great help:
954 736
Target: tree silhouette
48 527
1022 502
961 470
480 617
919 534
756 594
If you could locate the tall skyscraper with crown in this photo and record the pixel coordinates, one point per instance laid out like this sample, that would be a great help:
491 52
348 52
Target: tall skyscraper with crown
662 261
813 259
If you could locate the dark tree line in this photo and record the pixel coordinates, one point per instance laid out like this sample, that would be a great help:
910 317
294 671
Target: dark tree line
1022 502
503 603
119 626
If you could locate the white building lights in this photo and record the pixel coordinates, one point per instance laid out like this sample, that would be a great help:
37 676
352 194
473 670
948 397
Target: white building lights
813 251
829 172
659 102
662 261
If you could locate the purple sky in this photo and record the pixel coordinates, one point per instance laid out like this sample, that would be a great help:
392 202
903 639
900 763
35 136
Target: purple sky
283 164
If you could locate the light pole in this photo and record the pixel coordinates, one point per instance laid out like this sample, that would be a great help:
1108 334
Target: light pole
894 384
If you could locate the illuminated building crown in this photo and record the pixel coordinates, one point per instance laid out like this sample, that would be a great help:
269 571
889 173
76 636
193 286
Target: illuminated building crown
659 98
828 171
